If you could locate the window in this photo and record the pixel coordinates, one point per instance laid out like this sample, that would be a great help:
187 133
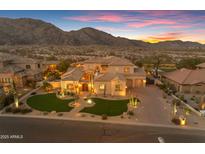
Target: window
126 69
117 87
70 87
39 66
28 66
102 86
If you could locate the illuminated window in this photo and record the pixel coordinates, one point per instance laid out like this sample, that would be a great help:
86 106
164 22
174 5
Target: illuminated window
102 87
126 69
70 86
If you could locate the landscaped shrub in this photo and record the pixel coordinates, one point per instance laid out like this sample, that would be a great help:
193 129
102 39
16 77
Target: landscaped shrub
60 114
92 116
104 117
176 101
131 113
6 100
193 98
176 121
181 97
15 110
8 109
33 93
25 110
45 113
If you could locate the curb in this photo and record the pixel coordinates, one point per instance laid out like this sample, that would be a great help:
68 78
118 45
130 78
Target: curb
103 121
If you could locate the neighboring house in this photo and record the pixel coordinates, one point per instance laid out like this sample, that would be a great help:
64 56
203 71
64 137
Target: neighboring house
32 67
186 80
104 76
21 70
10 74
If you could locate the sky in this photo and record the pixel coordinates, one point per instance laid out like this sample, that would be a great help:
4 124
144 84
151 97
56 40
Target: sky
151 26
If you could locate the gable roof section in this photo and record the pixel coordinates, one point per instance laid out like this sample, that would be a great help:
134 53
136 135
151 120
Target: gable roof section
186 76
11 69
109 76
72 74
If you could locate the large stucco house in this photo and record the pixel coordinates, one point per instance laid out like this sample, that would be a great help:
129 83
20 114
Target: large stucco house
20 71
103 76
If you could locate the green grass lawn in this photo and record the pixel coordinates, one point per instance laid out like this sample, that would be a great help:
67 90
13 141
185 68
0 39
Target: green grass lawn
49 102
108 107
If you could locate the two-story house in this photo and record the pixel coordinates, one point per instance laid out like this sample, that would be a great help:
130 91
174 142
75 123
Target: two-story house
104 76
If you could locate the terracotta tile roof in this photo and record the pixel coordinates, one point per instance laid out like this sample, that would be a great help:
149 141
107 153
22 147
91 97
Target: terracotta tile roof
109 77
186 76
110 60
73 74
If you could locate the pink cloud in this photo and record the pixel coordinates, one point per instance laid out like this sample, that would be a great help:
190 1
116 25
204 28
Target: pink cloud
150 23
167 36
102 18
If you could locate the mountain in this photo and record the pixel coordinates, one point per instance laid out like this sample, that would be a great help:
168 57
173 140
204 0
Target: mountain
178 44
26 31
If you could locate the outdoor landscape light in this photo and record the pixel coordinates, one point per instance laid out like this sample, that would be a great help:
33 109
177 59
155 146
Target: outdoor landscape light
89 101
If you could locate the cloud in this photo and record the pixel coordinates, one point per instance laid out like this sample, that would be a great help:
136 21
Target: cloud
151 23
97 18
165 37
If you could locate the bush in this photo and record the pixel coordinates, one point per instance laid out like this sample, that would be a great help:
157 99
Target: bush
177 102
181 97
33 93
45 113
15 110
60 114
176 121
8 109
92 116
121 116
104 117
26 110
131 113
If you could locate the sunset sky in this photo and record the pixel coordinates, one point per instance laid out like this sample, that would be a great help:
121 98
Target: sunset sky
151 26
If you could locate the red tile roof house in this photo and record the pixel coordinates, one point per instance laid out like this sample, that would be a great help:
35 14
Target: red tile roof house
186 80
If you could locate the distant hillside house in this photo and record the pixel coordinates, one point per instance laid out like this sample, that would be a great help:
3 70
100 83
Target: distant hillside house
186 80
104 76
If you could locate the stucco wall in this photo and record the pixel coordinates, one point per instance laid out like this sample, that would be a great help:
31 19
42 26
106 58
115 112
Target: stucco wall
110 88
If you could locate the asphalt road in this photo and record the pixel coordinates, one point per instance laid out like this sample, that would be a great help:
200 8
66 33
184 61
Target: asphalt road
13 129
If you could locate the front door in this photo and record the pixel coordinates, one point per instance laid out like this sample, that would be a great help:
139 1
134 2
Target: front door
85 87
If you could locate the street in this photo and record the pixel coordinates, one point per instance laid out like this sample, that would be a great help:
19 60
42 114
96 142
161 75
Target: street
14 129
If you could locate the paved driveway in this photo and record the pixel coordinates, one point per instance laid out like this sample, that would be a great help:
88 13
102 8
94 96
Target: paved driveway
153 108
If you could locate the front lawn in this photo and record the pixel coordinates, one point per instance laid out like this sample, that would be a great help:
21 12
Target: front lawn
108 107
49 102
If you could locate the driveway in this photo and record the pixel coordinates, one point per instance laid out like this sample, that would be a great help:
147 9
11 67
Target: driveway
153 108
